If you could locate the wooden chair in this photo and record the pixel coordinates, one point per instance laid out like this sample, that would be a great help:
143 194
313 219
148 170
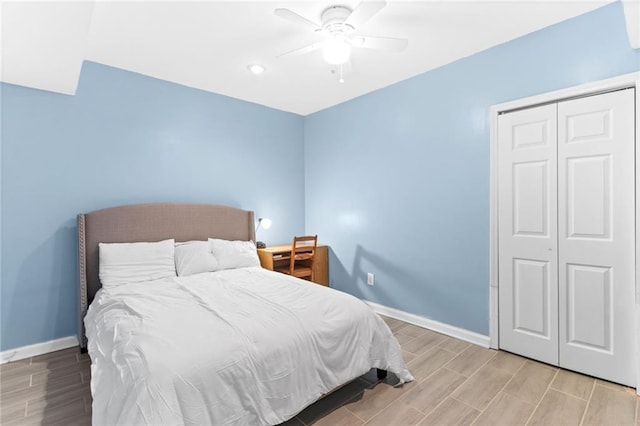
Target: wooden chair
303 253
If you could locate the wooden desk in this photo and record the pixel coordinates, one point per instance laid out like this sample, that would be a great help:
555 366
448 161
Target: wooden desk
279 255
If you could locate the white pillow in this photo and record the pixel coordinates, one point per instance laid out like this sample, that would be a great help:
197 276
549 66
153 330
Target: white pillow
195 257
122 263
234 254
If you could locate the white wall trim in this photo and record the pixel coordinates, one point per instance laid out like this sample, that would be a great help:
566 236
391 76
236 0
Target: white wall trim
638 235
620 82
632 19
440 327
38 349
493 230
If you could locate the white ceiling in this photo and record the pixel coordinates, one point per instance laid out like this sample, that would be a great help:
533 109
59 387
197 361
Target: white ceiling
208 45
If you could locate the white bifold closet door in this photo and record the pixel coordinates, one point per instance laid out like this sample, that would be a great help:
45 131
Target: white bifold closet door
528 233
566 234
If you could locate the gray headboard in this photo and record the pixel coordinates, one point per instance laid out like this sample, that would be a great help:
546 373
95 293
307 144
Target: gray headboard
149 223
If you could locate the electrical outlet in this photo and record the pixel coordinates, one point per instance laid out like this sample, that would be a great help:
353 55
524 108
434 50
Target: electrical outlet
370 278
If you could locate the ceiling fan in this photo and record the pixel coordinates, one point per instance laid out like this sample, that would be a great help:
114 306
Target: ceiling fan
339 26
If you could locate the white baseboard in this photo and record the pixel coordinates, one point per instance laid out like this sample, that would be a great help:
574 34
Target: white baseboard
38 349
440 327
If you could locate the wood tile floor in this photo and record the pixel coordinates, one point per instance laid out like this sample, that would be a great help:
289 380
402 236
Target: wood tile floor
456 384
50 389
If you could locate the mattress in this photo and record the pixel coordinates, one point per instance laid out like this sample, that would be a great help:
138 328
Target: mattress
243 346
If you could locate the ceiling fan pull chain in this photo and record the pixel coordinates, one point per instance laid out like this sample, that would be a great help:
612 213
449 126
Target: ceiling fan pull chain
341 73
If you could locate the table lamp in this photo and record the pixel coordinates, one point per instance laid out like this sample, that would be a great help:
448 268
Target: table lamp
266 224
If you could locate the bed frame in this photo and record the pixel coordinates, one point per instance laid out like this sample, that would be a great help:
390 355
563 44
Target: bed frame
150 223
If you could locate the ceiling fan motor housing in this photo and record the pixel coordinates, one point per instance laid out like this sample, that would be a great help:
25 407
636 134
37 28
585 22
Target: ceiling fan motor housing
333 20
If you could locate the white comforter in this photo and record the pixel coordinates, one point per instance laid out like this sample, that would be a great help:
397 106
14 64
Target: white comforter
243 346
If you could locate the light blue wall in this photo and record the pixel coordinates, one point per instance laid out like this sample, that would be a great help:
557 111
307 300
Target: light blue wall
397 181
125 138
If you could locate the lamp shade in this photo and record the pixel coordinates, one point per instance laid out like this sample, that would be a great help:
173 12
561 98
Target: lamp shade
265 222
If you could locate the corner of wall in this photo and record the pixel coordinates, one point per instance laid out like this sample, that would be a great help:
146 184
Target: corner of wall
632 18
1 191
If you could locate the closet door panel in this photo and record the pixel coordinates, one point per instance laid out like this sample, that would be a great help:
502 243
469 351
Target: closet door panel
528 233
530 301
531 198
589 310
596 224
589 208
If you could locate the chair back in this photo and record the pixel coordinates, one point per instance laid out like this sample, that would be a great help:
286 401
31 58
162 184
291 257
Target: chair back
303 253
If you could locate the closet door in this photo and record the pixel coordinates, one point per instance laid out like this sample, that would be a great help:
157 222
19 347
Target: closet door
596 235
527 230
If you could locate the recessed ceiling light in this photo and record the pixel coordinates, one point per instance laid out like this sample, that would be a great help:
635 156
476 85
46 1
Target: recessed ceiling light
256 69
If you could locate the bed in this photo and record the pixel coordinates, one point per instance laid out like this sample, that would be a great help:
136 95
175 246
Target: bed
234 345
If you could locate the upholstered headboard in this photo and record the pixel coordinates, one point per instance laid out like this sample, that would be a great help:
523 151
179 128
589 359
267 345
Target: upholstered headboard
149 223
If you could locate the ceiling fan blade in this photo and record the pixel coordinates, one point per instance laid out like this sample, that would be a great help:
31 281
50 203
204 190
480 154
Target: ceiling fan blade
363 12
389 44
303 50
291 16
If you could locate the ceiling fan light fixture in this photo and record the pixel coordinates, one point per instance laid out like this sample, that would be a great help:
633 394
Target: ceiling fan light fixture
336 50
